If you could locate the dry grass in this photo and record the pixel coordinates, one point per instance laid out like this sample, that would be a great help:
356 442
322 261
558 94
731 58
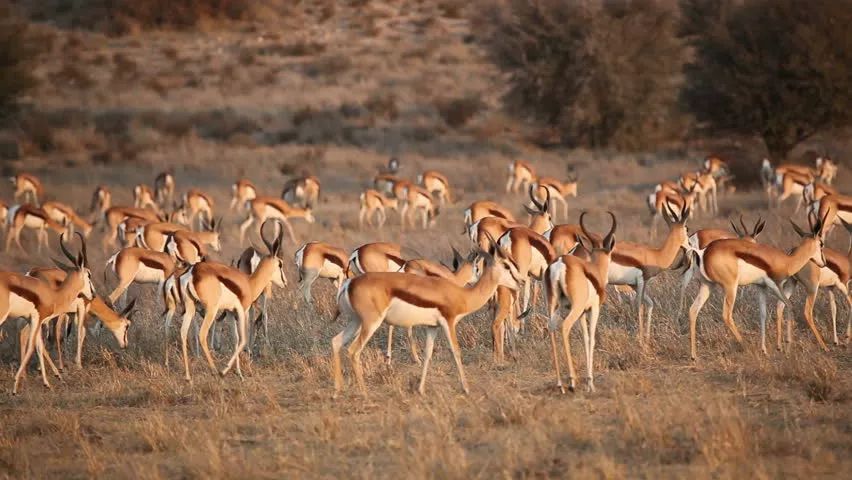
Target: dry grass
337 102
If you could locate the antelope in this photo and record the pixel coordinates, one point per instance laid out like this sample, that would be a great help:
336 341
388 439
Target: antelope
716 166
667 200
191 247
793 183
833 209
198 206
30 216
27 297
485 208
101 201
320 260
814 191
220 287
65 215
419 199
552 190
128 231
262 208
581 286
699 240
406 300
731 263
634 265
113 216
436 183
27 188
385 182
154 235
164 187
521 175
304 191
826 169
704 185
374 203
563 238
243 191
532 254
141 266
143 197
540 222
116 323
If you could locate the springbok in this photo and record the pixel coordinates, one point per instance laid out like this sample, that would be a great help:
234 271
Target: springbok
303 191
373 203
140 266
521 175
731 263
198 206
418 199
101 202
634 265
437 184
143 197
114 216
243 191
32 217
164 187
580 285
407 300
27 188
826 170
65 215
320 260
485 208
26 297
551 190
675 202
263 208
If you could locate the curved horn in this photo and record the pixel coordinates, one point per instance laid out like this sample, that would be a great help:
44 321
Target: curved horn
736 230
65 249
583 225
279 240
546 204
608 239
532 198
128 308
269 245
745 229
84 255
797 229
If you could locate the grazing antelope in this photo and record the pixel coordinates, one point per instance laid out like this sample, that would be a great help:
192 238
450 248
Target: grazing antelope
551 190
436 183
320 260
833 209
32 217
303 191
143 197
826 170
385 182
814 191
485 208
580 285
667 200
164 187
101 202
540 222
564 240
116 323
27 297
27 188
141 266
218 287
716 166
419 200
731 263
521 175
374 203
199 207
128 231
407 300
699 240
532 254
792 183
65 215
634 265
242 191
113 216
263 208
154 235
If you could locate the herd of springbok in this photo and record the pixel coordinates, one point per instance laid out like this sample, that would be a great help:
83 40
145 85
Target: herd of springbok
166 241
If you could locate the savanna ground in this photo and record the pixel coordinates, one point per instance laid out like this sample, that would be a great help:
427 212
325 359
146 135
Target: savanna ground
337 100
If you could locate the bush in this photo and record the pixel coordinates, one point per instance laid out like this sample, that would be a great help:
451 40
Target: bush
779 69
17 54
598 73
456 112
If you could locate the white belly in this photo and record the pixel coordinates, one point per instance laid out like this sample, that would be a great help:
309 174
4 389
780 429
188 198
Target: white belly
623 275
846 216
145 274
749 274
330 270
227 299
31 221
827 277
403 314
272 212
20 306
393 266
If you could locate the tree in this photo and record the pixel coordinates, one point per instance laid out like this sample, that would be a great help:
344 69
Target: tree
779 69
599 73
17 53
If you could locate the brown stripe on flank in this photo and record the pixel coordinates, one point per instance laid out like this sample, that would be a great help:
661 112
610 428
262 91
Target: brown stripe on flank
754 260
30 296
230 285
153 263
626 260
542 246
844 207
497 213
413 299
335 260
396 259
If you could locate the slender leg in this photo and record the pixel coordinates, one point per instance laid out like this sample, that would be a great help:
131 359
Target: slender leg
412 345
80 321
28 352
650 314
309 276
833 305
761 306
593 315
694 310
450 330
640 307
188 315
431 333
245 226
728 311
57 335
207 322
345 336
240 342
684 282
809 318
357 347
390 344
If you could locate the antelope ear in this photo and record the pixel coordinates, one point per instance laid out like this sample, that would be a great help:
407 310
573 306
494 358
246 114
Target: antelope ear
758 228
609 243
581 243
